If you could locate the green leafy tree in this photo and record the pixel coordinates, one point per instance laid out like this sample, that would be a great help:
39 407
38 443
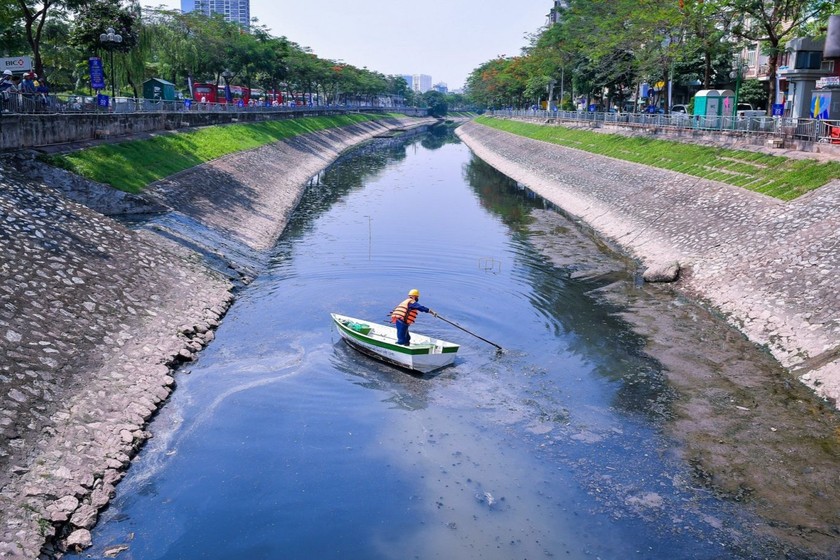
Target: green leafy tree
436 102
771 23
752 92
12 33
94 18
34 16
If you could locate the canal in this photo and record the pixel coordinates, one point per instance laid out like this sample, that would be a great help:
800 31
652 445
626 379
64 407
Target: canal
282 442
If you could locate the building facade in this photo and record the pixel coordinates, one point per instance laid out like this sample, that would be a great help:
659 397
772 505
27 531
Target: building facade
556 12
238 11
421 83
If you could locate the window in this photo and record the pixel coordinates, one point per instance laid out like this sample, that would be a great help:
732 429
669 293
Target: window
808 60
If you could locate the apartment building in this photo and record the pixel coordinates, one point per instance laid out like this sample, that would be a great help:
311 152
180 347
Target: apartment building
238 11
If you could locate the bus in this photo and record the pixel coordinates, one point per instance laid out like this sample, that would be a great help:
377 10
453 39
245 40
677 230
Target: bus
205 93
212 93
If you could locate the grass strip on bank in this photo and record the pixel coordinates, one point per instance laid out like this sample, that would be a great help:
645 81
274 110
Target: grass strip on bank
131 166
776 176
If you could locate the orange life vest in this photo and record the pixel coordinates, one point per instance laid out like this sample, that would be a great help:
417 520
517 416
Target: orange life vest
402 312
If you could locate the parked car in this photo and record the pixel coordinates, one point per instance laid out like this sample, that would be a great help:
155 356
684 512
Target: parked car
746 110
683 109
80 103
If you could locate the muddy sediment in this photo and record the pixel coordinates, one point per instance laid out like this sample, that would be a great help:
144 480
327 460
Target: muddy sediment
750 430
767 266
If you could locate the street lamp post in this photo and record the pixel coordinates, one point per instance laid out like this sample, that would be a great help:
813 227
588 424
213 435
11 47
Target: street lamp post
110 40
738 72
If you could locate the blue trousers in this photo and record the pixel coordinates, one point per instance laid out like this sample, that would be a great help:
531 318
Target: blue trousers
402 333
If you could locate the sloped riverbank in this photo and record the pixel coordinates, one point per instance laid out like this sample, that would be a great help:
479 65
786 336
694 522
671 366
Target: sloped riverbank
766 265
96 317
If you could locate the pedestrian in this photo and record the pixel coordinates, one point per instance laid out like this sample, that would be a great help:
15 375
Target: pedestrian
42 90
5 85
27 85
405 314
6 80
11 93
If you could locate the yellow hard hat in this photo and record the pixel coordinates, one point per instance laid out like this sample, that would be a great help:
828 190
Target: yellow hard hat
414 293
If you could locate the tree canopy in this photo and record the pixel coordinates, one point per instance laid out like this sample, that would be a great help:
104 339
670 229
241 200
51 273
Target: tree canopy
601 51
182 48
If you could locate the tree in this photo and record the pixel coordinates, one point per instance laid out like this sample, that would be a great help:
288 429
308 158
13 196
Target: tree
708 30
752 92
12 33
94 18
34 17
436 101
770 22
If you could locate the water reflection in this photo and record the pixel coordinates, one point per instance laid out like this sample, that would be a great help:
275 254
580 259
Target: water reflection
297 446
570 306
404 390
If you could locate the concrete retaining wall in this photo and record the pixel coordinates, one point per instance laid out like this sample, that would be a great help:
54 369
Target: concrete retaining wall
21 131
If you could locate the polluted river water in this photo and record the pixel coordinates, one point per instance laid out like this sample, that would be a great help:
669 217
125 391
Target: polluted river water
582 438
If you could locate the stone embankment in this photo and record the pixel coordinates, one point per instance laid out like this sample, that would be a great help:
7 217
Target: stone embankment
95 317
769 267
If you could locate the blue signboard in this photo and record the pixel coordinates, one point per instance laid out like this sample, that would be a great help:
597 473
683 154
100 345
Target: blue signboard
820 102
102 100
778 109
97 76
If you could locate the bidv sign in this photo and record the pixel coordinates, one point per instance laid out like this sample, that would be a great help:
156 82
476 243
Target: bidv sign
16 64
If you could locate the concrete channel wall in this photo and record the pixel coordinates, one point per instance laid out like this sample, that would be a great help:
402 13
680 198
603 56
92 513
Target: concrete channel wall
768 266
95 318
19 131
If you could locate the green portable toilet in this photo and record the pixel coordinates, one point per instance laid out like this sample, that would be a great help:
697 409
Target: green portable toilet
159 90
714 102
711 105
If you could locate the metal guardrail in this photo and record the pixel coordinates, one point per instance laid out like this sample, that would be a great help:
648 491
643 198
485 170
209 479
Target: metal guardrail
18 103
810 130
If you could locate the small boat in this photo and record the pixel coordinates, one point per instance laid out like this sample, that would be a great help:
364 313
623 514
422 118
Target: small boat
424 354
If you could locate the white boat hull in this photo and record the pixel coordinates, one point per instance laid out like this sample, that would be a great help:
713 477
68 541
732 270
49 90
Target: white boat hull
424 354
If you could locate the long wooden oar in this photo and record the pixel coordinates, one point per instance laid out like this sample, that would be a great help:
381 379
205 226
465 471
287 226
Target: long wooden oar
466 331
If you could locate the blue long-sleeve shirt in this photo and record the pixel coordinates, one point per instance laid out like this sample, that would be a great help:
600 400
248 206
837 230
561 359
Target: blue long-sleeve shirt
418 307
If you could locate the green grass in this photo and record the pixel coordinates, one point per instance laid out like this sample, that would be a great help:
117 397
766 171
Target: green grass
776 176
131 166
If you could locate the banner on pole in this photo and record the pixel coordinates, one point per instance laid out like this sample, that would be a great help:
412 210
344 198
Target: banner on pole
97 75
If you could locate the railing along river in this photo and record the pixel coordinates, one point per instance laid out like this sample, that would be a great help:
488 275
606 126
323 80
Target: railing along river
781 128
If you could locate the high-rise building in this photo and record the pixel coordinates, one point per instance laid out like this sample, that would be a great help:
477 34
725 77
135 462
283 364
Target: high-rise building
556 12
421 83
441 87
238 11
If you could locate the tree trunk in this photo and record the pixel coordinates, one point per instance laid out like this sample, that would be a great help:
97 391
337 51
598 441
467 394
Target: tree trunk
707 75
33 37
772 69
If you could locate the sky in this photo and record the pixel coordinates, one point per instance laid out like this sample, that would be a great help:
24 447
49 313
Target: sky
445 39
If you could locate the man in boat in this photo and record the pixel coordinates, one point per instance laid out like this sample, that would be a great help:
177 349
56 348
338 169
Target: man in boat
405 314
